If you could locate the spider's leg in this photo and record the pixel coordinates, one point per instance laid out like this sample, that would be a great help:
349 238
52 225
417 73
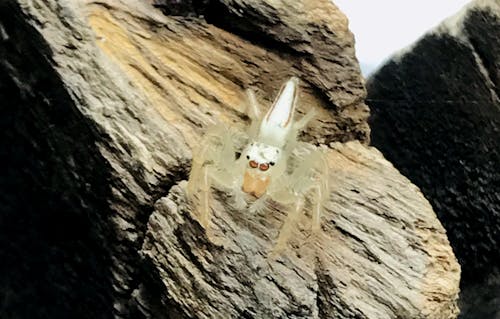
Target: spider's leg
205 198
253 107
312 176
200 158
320 195
239 199
198 187
213 163
300 124
287 229
309 177
259 204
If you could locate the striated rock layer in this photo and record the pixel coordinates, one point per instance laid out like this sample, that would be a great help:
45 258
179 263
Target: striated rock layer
436 116
102 102
380 254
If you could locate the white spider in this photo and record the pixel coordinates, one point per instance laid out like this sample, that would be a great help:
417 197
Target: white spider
272 165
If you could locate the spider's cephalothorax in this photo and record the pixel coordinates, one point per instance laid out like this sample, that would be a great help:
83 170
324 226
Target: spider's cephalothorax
270 141
261 158
273 164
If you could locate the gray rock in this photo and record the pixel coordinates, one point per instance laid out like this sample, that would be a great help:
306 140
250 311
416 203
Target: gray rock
381 252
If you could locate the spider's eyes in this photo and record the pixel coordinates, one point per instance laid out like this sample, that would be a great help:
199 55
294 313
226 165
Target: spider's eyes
271 163
253 164
264 167
248 157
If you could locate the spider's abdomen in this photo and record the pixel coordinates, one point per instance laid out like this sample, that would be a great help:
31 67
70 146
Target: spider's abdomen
277 123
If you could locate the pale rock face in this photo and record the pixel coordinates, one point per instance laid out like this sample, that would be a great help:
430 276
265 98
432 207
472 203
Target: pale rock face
108 98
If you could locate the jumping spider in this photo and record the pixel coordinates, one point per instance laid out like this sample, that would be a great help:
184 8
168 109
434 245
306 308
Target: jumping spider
271 165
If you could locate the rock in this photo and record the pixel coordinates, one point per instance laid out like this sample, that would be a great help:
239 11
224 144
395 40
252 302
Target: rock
436 116
102 102
381 252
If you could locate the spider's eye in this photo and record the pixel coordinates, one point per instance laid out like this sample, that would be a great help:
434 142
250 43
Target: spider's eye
264 167
253 164
248 157
271 163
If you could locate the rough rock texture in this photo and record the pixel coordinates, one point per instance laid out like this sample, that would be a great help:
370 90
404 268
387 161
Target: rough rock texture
181 63
436 116
381 253
101 104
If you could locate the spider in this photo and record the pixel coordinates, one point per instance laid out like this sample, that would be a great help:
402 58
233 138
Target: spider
272 164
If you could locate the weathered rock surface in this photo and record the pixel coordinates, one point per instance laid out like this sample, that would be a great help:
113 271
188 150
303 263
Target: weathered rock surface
381 253
436 116
102 102
194 72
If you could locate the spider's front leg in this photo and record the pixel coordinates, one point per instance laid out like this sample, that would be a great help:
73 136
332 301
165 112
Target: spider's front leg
310 178
213 163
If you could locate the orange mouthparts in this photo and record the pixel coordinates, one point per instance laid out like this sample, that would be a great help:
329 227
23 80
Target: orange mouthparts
255 184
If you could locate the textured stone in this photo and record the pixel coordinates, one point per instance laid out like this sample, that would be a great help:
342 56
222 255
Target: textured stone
436 116
102 102
192 71
381 252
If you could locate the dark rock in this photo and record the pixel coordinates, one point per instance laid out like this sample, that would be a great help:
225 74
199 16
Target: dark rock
185 8
436 116
53 231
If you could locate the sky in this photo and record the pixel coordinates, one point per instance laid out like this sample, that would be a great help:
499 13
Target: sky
382 27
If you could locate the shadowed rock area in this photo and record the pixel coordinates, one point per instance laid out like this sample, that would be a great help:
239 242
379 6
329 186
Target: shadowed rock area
102 103
52 226
436 116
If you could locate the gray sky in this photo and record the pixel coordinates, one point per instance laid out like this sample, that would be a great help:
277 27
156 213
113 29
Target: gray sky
382 27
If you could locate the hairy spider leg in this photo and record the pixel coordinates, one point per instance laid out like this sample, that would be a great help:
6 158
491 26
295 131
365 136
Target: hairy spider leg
214 163
287 228
311 175
253 111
